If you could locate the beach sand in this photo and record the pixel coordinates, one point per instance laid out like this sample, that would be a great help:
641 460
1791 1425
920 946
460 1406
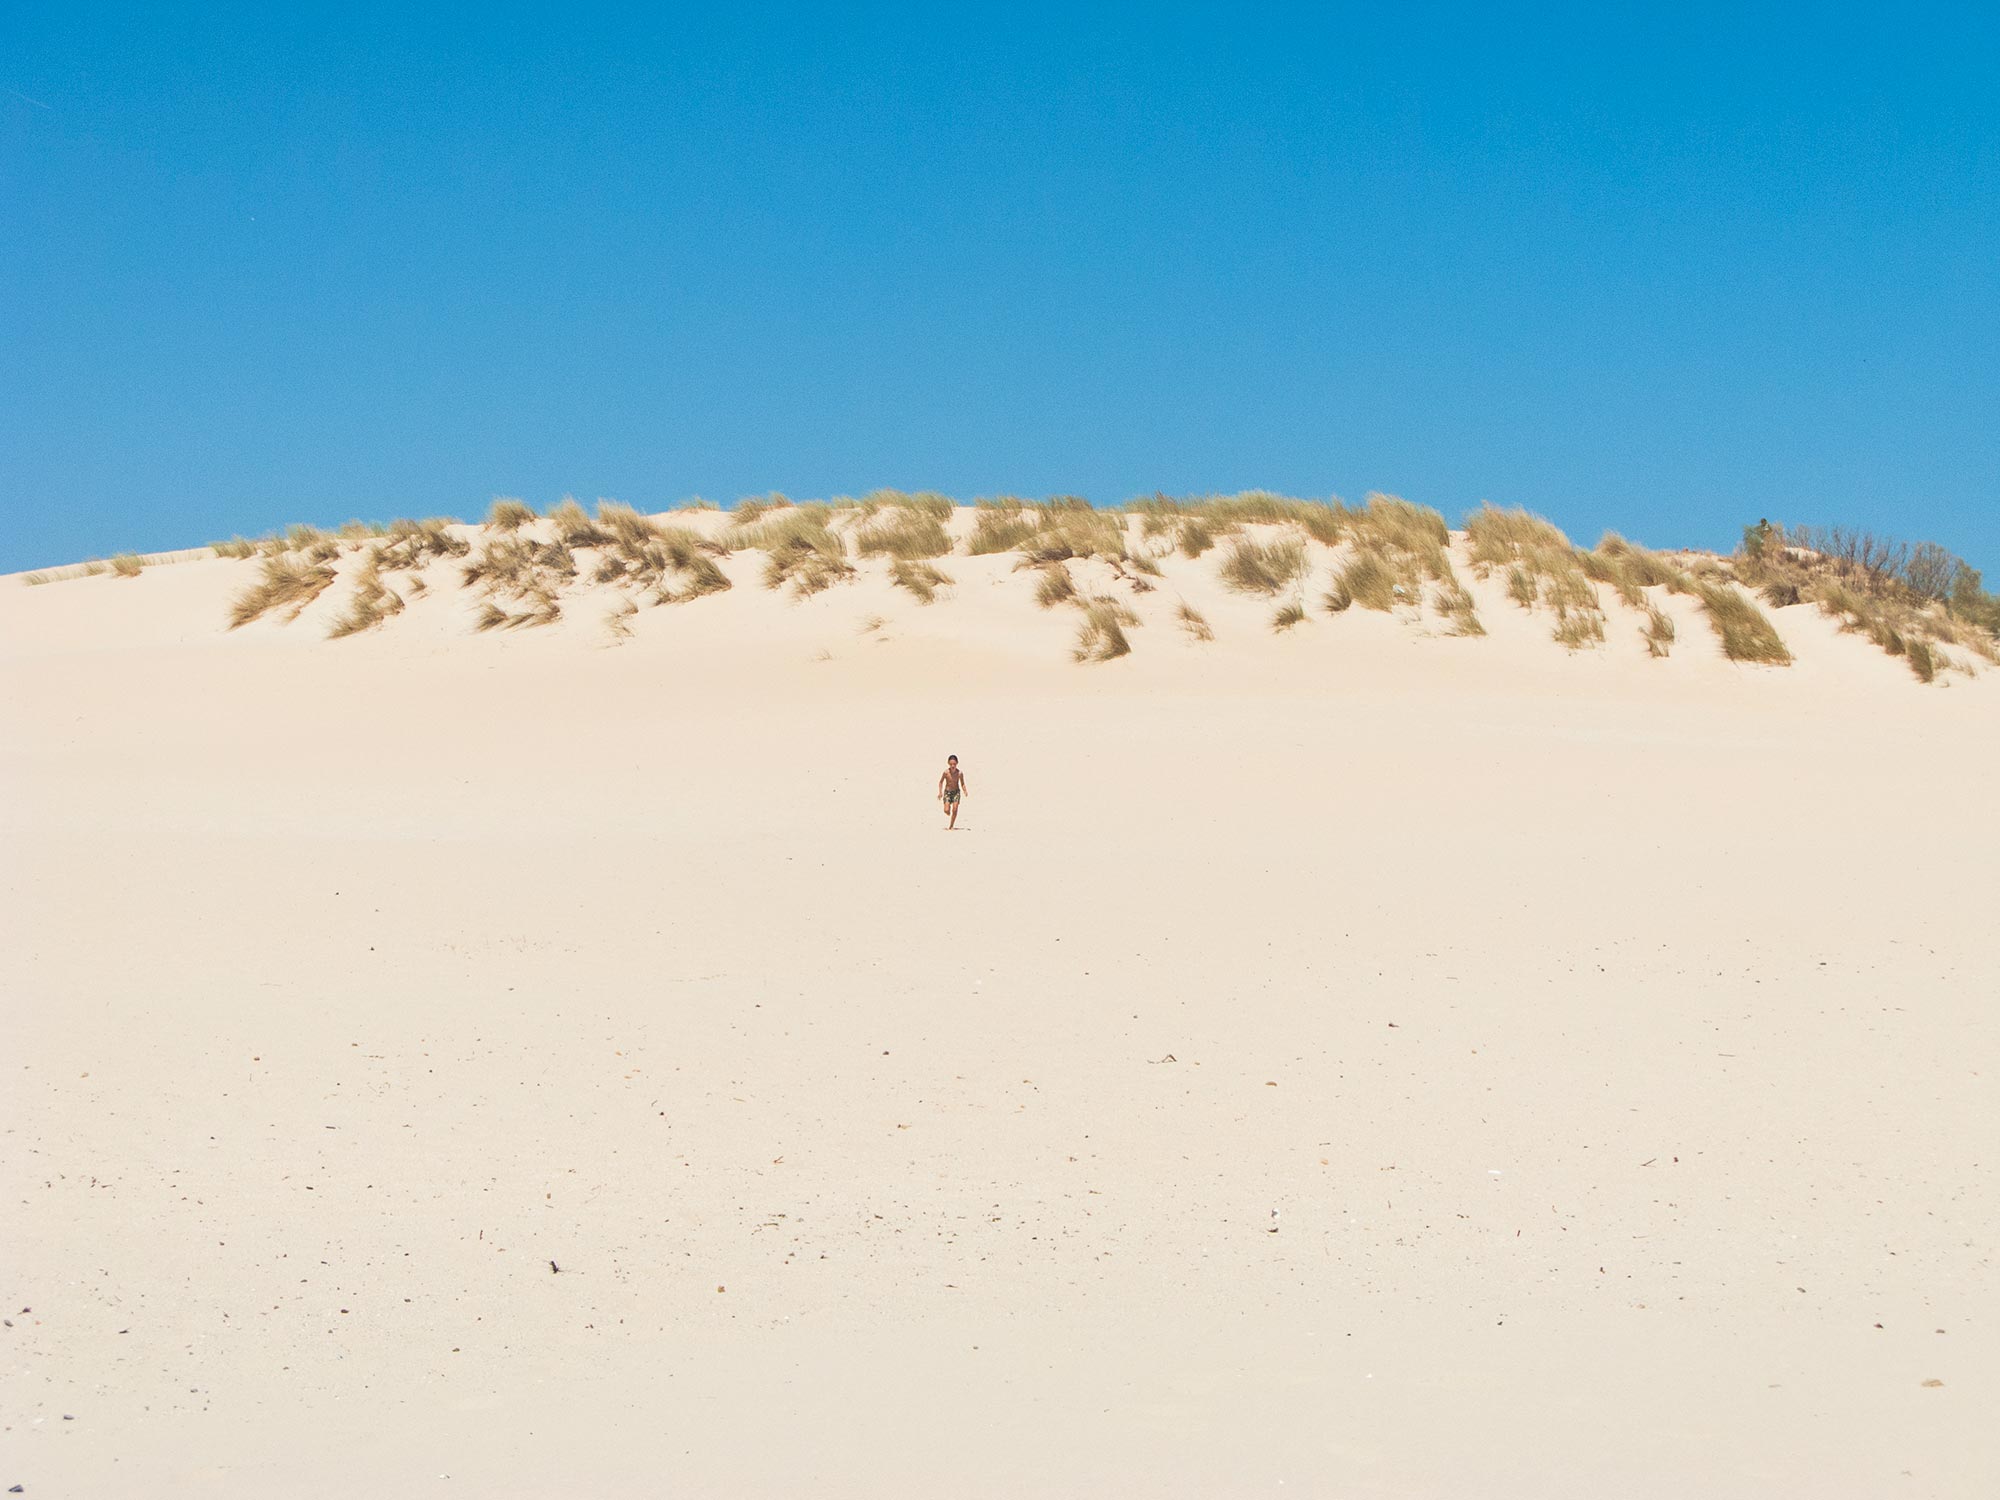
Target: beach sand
1351 1062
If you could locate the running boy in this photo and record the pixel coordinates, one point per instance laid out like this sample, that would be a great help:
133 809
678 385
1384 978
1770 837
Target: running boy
951 786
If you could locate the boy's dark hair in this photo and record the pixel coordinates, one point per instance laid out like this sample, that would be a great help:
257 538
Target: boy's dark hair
951 757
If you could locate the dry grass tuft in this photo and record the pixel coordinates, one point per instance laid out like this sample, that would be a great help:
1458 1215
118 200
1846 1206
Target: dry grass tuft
752 509
999 525
908 533
1745 631
1101 636
1055 587
919 577
543 609
411 544
1196 537
623 527
699 577
1580 628
799 549
1923 661
1456 606
1396 548
236 546
1287 616
1067 528
371 603
509 514
128 565
573 527
1193 524
926 503
1544 568
1659 631
1267 568
618 623
287 583
1368 579
1194 622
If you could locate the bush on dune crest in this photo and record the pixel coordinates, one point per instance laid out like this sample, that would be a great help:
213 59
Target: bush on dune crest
1892 592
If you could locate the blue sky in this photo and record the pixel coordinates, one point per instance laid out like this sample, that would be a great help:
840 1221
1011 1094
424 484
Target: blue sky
1663 270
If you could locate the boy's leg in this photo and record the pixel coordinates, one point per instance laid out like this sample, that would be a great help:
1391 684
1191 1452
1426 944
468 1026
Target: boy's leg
954 813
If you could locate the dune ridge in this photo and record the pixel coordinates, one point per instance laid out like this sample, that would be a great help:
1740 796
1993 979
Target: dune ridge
1309 560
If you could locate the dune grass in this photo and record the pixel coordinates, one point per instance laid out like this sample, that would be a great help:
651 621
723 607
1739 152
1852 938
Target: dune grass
1267 568
1395 549
1288 615
542 608
926 503
1101 637
1745 631
515 569
618 623
1193 622
1658 631
411 544
1456 607
573 526
999 525
236 547
286 583
509 514
127 565
1055 586
800 548
370 604
921 578
1193 523
908 533
1367 579
751 509
1066 528
1543 568
623 527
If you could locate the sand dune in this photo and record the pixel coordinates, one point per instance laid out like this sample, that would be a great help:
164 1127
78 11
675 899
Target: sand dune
1352 1060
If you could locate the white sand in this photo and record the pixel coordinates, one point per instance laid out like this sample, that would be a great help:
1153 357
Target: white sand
1613 1039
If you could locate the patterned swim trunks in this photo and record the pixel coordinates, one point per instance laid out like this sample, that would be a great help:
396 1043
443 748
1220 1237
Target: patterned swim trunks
951 799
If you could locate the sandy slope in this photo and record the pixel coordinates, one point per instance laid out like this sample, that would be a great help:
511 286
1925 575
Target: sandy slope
1613 1039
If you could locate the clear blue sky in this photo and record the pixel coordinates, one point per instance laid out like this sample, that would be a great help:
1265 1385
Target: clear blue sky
1662 270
